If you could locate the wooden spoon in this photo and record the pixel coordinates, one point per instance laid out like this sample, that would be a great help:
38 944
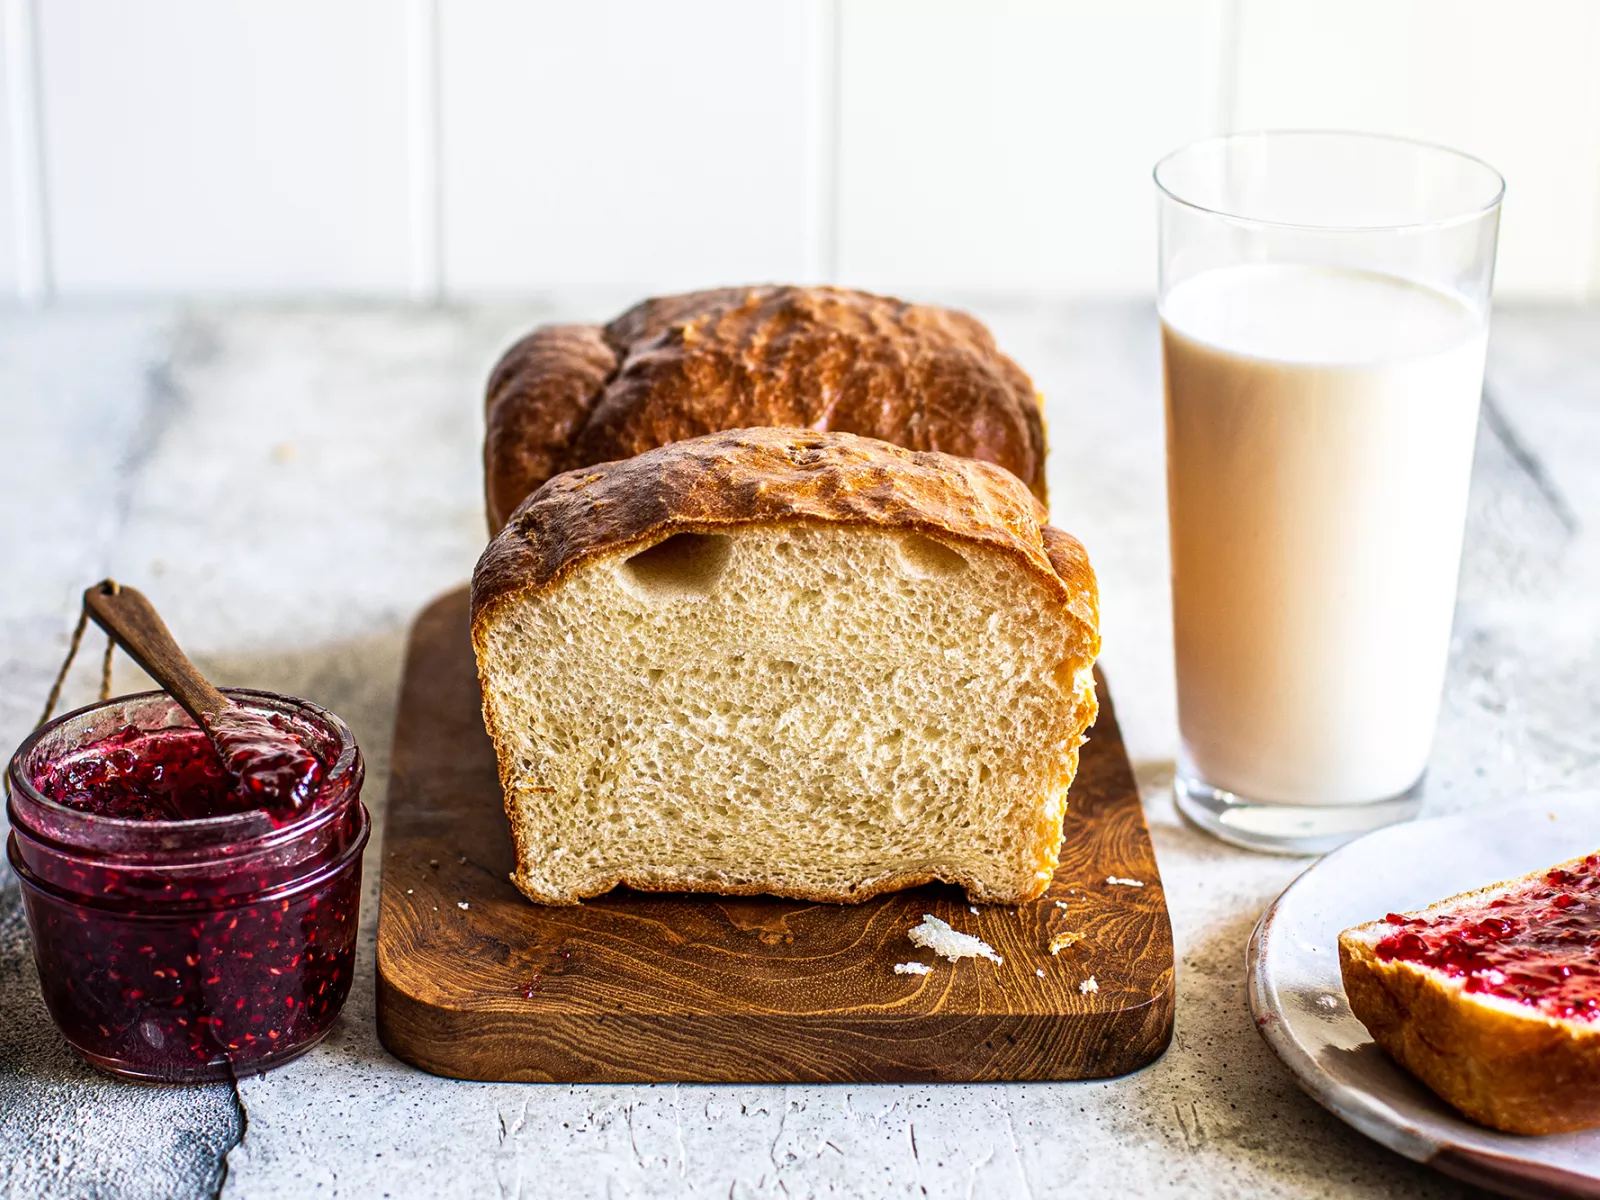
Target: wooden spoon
269 763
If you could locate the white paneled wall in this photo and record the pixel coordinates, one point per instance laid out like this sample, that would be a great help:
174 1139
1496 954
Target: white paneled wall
15 234
198 145
614 142
1516 83
464 147
1009 144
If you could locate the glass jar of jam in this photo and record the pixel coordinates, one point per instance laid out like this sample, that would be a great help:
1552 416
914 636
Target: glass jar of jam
184 932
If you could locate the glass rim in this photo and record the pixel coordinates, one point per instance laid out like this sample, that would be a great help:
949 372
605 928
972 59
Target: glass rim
244 825
1224 139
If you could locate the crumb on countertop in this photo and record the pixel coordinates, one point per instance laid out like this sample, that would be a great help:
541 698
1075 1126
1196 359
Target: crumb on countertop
1120 882
1064 941
912 968
1090 984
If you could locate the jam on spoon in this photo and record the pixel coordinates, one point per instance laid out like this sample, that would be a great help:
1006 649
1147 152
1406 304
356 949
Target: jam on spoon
272 769
271 766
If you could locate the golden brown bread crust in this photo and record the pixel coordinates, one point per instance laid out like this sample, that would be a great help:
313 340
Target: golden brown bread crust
540 395
1500 1064
755 476
763 476
678 367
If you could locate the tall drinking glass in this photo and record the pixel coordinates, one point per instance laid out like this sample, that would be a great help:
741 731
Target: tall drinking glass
1324 303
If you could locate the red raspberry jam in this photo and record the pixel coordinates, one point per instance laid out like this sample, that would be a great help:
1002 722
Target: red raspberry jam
177 775
184 928
270 767
1537 943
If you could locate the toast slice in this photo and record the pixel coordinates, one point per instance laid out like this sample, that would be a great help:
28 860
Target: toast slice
1492 998
809 664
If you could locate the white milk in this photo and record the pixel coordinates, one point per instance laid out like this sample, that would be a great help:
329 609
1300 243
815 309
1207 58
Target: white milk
1320 427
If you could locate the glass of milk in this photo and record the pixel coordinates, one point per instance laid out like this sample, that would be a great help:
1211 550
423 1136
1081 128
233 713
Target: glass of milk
1324 303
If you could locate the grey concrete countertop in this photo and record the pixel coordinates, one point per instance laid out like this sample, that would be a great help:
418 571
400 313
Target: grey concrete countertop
291 484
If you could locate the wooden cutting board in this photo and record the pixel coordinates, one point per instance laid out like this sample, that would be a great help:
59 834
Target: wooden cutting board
476 982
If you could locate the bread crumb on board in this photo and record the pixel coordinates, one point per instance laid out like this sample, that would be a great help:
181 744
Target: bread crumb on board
934 934
973 909
1064 941
462 904
912 968
1120 882
1090 984
1039 971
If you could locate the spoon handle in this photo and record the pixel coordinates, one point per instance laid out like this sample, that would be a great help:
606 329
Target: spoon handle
134 624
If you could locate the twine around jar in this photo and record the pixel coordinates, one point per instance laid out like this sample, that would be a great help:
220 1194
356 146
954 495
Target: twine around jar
72 653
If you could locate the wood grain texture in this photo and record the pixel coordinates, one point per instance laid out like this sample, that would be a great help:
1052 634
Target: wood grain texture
475 982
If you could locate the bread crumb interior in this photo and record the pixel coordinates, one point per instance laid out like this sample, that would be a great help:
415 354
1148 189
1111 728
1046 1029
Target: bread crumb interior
796 708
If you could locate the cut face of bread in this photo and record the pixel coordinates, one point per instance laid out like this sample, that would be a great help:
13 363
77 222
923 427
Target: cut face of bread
1492 998
812 711
822 709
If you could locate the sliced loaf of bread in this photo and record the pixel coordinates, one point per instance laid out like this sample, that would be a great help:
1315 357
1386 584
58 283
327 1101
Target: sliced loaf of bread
1492 998
772 660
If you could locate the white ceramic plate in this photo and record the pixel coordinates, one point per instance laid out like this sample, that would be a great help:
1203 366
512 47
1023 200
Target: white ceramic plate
1299 1006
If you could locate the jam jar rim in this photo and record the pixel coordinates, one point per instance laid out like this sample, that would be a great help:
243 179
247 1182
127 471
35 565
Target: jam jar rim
233 834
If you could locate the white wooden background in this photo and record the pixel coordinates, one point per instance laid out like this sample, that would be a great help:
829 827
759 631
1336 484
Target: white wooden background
469 147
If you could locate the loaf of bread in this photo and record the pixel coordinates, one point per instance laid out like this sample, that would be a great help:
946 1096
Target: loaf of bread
1492 998
770 660
818 358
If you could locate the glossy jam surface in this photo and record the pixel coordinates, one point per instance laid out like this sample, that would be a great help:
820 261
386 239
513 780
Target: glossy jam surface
270 764
1537 944
176 774
180 950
